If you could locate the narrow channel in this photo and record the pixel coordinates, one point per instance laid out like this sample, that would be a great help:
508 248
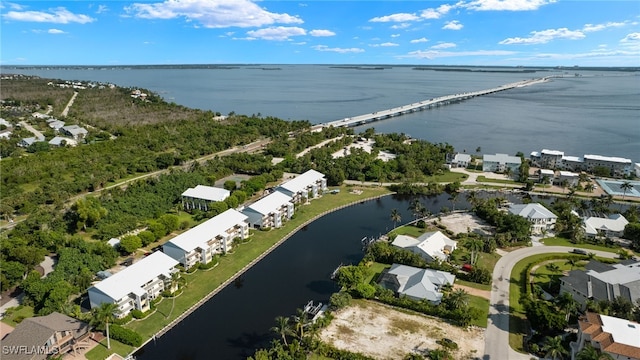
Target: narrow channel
237 320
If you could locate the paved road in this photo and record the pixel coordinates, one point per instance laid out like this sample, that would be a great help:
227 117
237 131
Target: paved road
497 335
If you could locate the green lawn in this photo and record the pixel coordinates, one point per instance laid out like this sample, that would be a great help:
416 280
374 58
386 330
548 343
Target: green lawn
100 352
482 178
558 241
482 305
473 285
22 311
201 283
448 176
409 230
374 271
542 275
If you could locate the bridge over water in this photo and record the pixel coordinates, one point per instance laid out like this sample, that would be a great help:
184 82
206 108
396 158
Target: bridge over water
424 105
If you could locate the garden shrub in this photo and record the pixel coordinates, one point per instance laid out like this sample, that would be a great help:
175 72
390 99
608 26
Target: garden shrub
125 336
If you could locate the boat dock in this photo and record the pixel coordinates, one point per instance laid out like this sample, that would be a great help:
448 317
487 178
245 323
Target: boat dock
425 105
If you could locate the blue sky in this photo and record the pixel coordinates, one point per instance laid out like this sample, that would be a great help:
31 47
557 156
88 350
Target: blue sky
466 32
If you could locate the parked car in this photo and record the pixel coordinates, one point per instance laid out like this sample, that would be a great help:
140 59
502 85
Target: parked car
579 251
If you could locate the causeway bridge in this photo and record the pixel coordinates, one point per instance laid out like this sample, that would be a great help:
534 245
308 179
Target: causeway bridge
424 105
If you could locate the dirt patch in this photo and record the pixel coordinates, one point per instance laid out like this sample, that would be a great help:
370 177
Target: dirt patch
383 332
464 222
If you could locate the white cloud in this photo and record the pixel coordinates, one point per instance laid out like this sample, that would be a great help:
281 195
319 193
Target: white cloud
506 5
421 40
337 50
300 43
453 25
278 33
599 27
395 35
101 9
58 15
56 31
387 44
434 54
633 37
321 33
438 12
544 36
444 45
212 14
400 17
400 26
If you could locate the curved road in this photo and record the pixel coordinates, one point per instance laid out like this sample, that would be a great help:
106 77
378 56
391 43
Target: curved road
496 346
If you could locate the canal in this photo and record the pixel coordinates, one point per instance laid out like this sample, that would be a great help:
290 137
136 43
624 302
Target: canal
237 320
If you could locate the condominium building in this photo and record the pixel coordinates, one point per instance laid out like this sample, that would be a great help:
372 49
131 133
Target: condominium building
201 196
310 184
270 211
500 163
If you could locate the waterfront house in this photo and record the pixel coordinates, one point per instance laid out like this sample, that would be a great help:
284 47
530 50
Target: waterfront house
500 163
554 159
42 337
546 173
75 131
619 338
270 211
416 283
310 184
430 246
202 196
568 178
461 160
613 226
135 286
603 282
214 236
541 218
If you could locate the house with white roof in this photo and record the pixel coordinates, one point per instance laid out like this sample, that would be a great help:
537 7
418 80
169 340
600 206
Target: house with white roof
135 286
201 196
461 160
270 211
546 173
416 283
75 131
619 338
62 141
431 245
500 163
311 184
613 226
55 124
26 142
214 236
567 177
541 218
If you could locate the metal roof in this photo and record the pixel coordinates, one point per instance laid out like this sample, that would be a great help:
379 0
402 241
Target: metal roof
269 203
209 193
532 211
300 182
201 234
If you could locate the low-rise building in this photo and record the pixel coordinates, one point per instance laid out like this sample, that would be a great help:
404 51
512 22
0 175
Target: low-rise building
541 218
310 184
202 196
567 177
547 174
135 286
62 141
42 337
270 211
603 282
557 160
617 165
461 160
619 338
613 226
55 124
430 246
26 142
214 236
500 163
75 131
416 283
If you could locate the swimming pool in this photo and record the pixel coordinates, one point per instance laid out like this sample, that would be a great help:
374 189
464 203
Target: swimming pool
612 187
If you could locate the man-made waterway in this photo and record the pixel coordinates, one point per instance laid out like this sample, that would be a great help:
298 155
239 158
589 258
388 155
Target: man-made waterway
237 320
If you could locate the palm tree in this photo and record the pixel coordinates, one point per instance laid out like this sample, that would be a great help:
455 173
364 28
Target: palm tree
572 262
174 282
545 181
395 217
472 198
566 303
591 353
300 321
457 299
625 186
589 187
553 348
416 208
454 199
102 315
475 246
553 267
282 328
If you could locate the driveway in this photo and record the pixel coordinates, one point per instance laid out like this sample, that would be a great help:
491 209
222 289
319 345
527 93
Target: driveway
496 345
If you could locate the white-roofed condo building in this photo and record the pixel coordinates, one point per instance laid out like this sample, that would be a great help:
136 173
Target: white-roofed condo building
201 196
135 286
554 159
214 236
416 283
541 218
500 163
310 184
270 211
430 246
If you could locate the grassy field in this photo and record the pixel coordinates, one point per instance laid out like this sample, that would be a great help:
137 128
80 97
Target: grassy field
473 285
375 269
543 276
409 230
101 352
23 312
557 241
482 178
448 176
482 305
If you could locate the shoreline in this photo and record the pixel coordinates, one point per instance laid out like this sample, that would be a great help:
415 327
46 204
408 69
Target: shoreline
244 269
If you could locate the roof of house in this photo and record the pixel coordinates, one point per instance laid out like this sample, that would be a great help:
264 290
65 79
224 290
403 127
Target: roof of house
208 193
619 274
607 158
57 141
568 174
615 222
35 331
417 282
547 172
552 152
55 124
300 182
405 241
462 157
74 129
531 211
135 276
201 234
615 335
625 274
431 243
30 140
572 158
269 203
502 158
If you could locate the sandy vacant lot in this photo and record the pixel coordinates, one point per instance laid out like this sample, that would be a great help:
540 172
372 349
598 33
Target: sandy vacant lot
382 332
462 222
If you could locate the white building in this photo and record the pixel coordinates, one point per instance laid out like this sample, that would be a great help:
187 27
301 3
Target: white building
620 338
569 177
431 246
500 163
540 217
617 165
612 226
135 286
270 211
461 160
416 283
554 159
310 184
62 141
75 131
201 196
548 174
214 236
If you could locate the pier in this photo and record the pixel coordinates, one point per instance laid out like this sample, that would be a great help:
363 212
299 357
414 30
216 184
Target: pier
425 105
